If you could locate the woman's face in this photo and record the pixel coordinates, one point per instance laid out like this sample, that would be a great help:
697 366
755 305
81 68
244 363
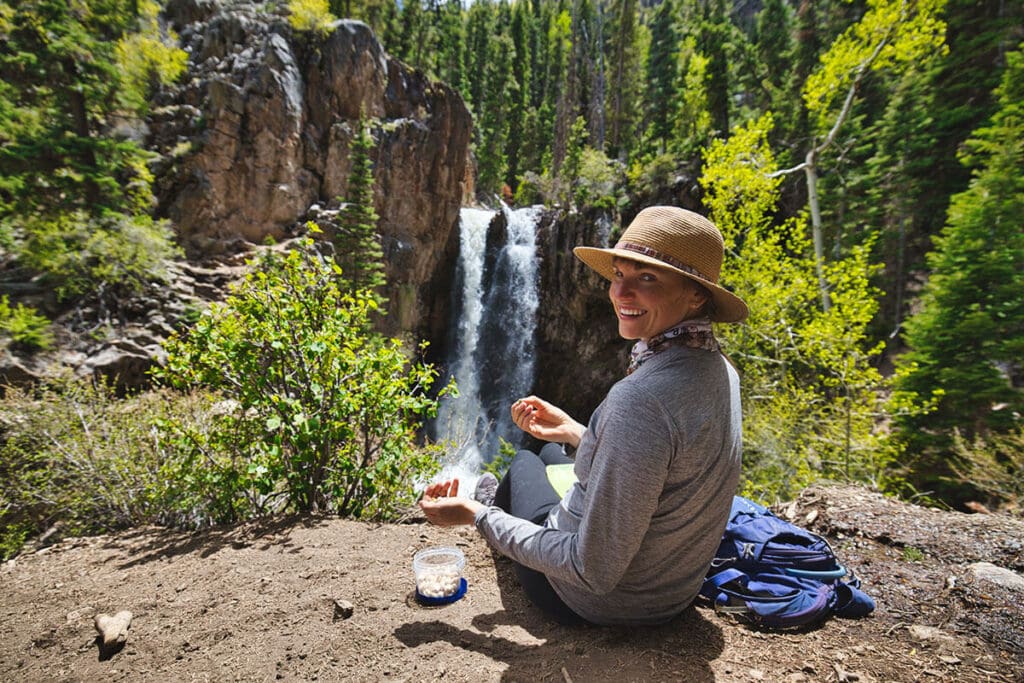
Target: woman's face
649 300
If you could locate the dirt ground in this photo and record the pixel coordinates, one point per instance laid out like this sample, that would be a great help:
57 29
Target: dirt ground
264 602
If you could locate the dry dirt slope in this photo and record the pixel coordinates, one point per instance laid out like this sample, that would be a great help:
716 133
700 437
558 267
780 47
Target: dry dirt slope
257 603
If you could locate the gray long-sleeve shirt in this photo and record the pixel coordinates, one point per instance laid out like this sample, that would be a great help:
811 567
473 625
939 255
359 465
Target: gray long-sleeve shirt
657 468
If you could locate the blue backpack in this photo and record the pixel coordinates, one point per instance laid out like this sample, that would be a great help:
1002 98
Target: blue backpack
778 575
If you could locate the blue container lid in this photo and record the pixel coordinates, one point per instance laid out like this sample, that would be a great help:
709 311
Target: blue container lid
444 600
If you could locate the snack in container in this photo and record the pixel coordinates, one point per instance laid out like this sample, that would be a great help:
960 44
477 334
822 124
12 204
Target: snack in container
439 577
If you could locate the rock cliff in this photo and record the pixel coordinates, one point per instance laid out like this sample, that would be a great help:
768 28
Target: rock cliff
259 129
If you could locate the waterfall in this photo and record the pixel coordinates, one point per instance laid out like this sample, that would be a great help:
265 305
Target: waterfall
492 355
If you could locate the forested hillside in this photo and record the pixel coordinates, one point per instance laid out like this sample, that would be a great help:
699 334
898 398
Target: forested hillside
876 127
864 160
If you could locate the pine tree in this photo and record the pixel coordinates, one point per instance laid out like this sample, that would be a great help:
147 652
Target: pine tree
715 33
75 195
480 23
968 339
661 74
558 80
521 33
499 89
885 193
778 89
68 75
691 120
415 39
451 47
356 242
979 34
379 15
624 77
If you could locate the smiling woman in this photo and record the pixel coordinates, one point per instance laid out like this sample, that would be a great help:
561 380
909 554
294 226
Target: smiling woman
655 469
648 300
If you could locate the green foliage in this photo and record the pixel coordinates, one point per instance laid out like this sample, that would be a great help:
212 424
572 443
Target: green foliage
313 16
356 242
661 74
967 340
64 91
714 35
623 103
812 395
147 56
324 411
891 34
24 326
599 182
647 175
531 189
912 554
502 460
499 89
111 254
570 170
76 459
993 467
691 123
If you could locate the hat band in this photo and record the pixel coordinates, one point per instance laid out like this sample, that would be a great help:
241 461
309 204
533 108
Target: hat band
654 253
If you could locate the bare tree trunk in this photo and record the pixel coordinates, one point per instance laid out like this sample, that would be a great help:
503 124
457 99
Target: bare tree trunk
811 173
810 169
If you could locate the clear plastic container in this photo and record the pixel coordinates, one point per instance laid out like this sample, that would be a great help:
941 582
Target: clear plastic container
439 574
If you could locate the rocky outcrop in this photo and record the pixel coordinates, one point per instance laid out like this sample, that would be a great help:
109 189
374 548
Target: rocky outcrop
579 351
260 129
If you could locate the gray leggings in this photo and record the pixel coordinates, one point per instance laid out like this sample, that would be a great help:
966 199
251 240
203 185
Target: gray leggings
525 492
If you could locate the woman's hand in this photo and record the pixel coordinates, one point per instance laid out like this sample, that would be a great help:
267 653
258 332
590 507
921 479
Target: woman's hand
442 506
544 421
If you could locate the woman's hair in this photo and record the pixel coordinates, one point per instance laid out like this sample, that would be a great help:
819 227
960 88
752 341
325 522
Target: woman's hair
708 308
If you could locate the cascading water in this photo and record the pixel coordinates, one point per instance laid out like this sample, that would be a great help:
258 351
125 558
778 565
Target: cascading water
492 358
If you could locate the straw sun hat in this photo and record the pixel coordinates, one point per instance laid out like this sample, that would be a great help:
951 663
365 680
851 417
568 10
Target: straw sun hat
678 240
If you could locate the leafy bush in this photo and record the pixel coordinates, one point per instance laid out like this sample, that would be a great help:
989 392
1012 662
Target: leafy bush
322 412
310 15
115 253
75 459
530 189
646 176
812 395
147 56
26 328
600 180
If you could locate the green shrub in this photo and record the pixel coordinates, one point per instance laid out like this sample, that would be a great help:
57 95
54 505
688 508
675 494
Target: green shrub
25 327
322 412
76 459
502 460
600 181
992 466
646 176
530 189
812 395
112 254
310 15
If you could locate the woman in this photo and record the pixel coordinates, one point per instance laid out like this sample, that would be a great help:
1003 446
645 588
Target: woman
658 464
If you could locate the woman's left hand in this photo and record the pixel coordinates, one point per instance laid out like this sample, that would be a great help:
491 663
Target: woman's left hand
443 506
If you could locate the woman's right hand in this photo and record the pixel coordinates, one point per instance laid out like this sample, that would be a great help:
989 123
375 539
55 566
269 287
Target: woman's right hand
540 419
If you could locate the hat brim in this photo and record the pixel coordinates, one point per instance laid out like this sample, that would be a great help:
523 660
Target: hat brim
727 307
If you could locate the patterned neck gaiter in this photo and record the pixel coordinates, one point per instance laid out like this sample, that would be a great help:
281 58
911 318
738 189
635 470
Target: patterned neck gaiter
696 334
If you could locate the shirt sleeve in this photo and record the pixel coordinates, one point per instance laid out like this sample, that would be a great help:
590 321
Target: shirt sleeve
630 447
